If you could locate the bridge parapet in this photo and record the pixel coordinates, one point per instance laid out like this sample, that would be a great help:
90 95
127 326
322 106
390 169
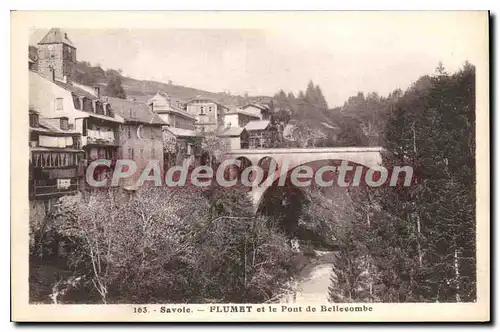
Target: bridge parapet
293 157
368 156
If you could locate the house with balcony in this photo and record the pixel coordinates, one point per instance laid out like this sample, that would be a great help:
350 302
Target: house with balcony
56 157
54 94
261 134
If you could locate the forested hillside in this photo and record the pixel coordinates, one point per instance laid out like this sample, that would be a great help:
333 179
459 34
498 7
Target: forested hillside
417 243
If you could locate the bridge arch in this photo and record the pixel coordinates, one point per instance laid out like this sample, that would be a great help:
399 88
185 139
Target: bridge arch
329 176
290 158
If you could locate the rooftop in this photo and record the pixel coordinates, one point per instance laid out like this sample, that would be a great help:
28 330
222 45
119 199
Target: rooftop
257 125
240 111
134 111
258 105
52 127
56 36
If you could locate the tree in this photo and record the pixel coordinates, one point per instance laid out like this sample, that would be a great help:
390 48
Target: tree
215 146
310 95
307 136
320 99
114 87
166 245
432 129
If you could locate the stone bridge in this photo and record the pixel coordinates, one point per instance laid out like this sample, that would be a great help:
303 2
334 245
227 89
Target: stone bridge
291 158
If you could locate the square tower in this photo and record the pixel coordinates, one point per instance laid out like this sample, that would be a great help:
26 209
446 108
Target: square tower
56 56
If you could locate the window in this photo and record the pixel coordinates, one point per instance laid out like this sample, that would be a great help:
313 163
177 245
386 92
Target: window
210 108
33 120
131 153
63 123
152 133
59 104
129 133
202 110
153 153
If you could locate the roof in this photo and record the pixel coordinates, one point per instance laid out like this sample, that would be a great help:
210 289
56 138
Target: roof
56 36
206 98
260 106
134 111
53 126
74 89
183 132
240 111
257 125
232 132
164 104
105 117
79 92
43 148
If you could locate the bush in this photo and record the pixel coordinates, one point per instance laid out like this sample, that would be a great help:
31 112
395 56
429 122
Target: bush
164 245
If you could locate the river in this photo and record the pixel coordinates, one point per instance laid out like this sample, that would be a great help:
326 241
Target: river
313 282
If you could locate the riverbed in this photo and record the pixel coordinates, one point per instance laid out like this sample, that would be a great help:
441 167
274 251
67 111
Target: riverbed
312 284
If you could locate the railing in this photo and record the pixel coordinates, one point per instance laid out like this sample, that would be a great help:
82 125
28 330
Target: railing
101 137
49 190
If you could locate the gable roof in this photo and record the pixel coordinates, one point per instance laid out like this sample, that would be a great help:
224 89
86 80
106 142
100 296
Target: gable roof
163 104
259 106
76 90
51 127
207 99
257 125
243 112
134 111
56 36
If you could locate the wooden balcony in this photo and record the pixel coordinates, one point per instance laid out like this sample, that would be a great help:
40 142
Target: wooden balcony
46 191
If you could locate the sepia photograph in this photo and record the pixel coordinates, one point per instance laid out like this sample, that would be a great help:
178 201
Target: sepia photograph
261 166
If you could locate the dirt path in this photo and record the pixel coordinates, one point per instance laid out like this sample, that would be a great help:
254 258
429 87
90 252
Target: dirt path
313 282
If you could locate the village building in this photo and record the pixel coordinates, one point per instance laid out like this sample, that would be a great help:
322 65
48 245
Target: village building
235 138
238 118
55 161
140 136
54 96
171 112
181 141
261 134
263 111
208 112
85 112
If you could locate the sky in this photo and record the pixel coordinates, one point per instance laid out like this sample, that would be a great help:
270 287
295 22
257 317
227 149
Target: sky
375 53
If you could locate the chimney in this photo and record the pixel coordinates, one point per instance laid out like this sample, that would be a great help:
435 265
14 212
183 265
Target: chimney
97 90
